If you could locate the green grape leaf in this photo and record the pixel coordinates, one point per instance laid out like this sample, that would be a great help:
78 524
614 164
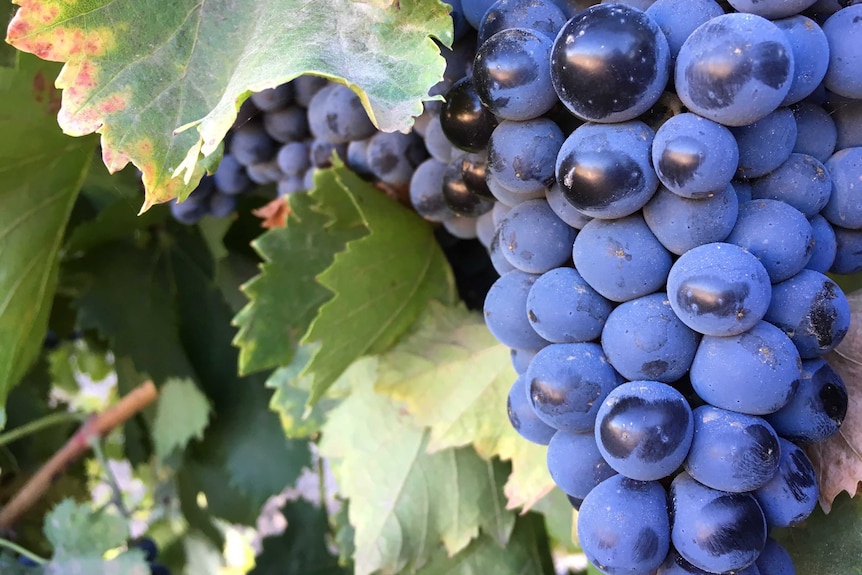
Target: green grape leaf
838 460
139 73
245 436
560 518
126 564
404 501
42 171
285 297
301 548
292 392
179 326
115 275
526 553
75 529
454 378
112 223
182 414
382 283
827 544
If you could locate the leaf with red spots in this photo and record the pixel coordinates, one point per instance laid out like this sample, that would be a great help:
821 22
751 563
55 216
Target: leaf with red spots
41 171
162 81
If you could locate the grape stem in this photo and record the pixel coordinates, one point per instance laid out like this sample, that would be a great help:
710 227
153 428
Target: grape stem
38 425
14 548
95 427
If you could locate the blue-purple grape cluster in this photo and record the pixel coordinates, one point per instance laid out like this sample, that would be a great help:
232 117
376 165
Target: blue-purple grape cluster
663 187
284 134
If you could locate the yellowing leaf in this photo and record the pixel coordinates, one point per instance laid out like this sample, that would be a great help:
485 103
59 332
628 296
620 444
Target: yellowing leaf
838 460
136 71
403 501
454 378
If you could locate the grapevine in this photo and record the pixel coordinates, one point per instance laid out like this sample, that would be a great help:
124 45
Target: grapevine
431 286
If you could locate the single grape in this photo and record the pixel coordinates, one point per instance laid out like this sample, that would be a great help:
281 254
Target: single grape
732 451
230 176
719 289
843 30
610 63
694 156
604 170
273 99
735 69
816 131
644 429
524 419
575 463
756 372
542 16
825 246
790 496
681 224
465 120
775 232
812 310
817 409
802 181
623 526
505 311
715 530
563 308
644 339
534 239
765 144
521 155
621 259
810 55
512 74
567 383
775 560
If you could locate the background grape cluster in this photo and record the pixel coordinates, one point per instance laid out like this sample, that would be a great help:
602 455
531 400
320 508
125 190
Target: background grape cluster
662 187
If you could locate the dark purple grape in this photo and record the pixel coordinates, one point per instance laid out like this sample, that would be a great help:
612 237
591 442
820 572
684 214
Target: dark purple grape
465 121
464 192
610 63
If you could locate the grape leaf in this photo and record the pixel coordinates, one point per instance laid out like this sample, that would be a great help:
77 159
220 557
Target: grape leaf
41 172
246 436
526 552
301 548
838 460
560 520
827 544
454 378
292 391
382 282
126 564
182 413
286 296
404 501
148 331
75 529
136 72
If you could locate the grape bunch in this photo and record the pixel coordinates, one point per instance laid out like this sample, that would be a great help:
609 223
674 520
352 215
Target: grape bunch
662 187
284 134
